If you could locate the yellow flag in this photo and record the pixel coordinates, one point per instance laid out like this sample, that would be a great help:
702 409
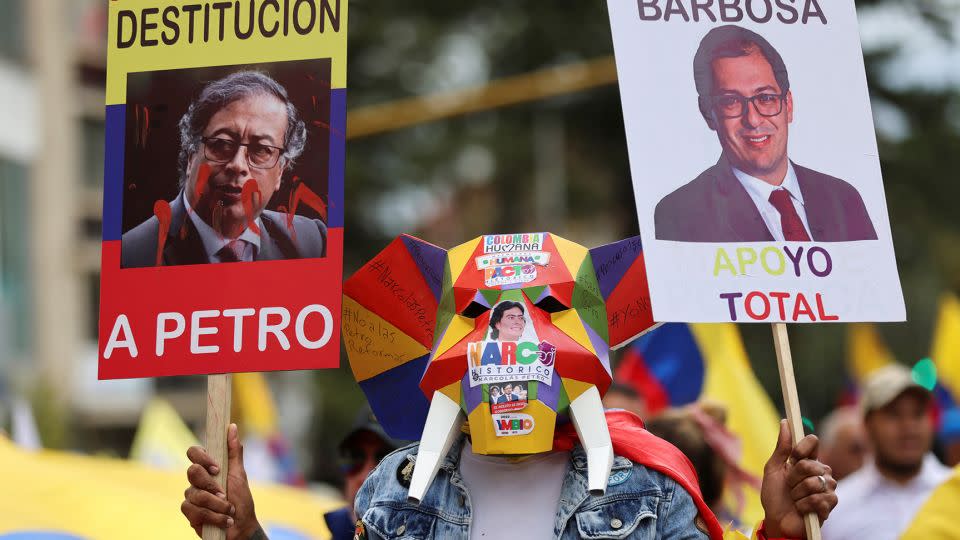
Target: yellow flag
866 351
97 498
946 344
937 517
729 379
255 405
162 438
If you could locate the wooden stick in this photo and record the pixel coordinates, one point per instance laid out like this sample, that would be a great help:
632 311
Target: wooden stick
218 419
791 401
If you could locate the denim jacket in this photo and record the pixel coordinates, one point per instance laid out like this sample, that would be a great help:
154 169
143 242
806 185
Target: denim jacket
639 503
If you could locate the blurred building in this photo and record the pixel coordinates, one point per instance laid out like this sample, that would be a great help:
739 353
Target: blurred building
52 73
52 77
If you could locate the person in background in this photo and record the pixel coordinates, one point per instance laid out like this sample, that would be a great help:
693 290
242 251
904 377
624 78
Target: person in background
360 452
680 428
623 396
699 431
880 500
843 441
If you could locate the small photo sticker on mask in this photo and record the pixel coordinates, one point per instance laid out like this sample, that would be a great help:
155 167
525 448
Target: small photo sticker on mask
512 424
510 350
509 397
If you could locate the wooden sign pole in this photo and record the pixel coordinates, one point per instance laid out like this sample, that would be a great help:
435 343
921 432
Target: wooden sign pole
218 419
792 405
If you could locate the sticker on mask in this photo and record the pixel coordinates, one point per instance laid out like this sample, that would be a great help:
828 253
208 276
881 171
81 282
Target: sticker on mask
509 259
509 275
493 362
524 257
509 243
511 424
510 350
510 397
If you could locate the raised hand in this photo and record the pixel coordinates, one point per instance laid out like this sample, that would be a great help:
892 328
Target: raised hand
794 484
205 503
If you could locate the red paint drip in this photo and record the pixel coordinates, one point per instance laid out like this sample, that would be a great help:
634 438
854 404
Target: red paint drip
203 177
161 209
327 127
303 194
250 191
146 127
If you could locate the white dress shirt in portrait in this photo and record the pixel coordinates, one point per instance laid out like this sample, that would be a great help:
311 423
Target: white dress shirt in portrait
760 191
214 242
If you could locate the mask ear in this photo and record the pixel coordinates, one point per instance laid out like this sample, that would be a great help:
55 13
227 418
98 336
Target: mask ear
389 318
622 278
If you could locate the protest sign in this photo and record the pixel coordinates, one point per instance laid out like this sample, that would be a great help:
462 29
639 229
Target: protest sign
755 167
739 221
223 191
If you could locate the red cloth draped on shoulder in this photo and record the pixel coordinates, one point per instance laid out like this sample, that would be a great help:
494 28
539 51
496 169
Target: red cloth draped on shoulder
635 443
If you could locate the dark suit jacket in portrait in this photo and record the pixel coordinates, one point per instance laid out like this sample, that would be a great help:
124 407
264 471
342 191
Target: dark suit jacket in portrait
138 246
715 207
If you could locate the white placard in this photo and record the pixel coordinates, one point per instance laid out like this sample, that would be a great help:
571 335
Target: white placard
716 248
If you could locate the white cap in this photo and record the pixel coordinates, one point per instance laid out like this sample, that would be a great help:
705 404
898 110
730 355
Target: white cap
887 384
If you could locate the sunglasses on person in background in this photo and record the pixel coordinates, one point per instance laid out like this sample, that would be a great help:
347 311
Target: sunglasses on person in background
354 460
259 156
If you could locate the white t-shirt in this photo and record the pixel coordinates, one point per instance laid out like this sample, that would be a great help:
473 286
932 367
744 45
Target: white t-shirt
513 497
871 506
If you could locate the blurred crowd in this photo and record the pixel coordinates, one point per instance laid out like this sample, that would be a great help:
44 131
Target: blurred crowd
885 452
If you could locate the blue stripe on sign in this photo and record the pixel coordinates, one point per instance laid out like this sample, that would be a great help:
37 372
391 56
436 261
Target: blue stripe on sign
113 172
338 135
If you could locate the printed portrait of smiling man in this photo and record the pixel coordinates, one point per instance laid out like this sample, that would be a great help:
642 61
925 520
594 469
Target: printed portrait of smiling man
755 193
236 141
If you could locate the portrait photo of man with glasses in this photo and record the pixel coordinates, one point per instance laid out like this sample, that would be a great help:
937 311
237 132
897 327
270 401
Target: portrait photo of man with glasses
238 139
755 192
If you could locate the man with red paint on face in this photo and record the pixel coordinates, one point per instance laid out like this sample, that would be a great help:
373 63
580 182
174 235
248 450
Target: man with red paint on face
755 193
236 141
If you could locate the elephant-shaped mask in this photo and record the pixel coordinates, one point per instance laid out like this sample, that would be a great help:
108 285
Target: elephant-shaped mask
509 331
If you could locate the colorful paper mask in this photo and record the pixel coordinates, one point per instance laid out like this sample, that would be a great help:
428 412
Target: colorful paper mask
509 331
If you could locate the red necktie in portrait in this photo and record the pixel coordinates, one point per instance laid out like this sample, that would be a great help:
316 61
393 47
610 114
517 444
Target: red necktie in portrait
793 229
233 251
